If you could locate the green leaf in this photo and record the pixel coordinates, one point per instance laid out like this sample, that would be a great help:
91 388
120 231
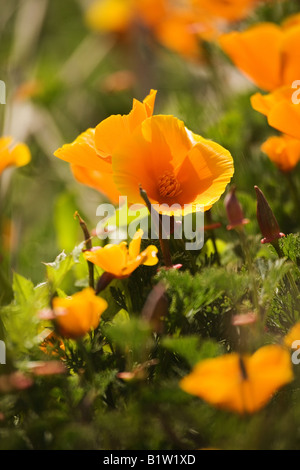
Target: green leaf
58 269
67 228
191 348
23 289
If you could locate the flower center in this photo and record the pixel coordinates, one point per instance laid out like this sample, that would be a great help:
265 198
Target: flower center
168 185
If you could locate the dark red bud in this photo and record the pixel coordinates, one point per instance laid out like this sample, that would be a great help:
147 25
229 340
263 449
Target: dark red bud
234 210
266 219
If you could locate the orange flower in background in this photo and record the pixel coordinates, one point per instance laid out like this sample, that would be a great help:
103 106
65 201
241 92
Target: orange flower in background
90 153
120 260
78 314
173 165
283 151
242 384
282 113
231 10
120 15
266 53
177 26
17 155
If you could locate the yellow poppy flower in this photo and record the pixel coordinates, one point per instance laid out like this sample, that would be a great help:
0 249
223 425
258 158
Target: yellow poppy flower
266 53
173 165
18 155
282 113
120 260
242 384
78 314
283 151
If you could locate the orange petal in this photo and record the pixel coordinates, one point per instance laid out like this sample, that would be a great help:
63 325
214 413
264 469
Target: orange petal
135 244
290 55
284 151
111 258
112 131
82 151
102 181
256 52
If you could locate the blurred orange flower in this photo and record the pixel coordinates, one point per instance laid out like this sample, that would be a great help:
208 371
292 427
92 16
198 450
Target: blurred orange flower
282 113
283 150
78 314
173 165
242 384
17 155
178 26
90 153
120 260
231 10
266 53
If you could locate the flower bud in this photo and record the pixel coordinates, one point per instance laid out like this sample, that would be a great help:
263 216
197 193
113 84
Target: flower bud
266 219
234 210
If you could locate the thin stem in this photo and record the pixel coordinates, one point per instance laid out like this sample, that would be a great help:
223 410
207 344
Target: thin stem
88 245
293 190
157 220
289 276
249 262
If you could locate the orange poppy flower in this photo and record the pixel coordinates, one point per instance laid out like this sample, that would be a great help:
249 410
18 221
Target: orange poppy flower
242 384
18 155
78 314
120 260
292 335
90 153
231 10
182 31
283 150
173 165
282 113
266 53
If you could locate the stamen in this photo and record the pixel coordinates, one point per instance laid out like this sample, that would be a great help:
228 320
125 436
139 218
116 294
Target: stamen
168 185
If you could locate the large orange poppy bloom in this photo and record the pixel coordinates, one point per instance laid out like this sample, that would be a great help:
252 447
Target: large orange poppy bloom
173 165
266 53
282 113
90 153
243 384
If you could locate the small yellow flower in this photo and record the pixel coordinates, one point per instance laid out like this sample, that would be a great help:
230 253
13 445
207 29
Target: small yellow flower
243 384
78 314
120 260
19 155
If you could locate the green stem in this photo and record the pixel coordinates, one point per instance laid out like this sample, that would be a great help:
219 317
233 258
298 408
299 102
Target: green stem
293 191
163 241
245 247
88 245
289 275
